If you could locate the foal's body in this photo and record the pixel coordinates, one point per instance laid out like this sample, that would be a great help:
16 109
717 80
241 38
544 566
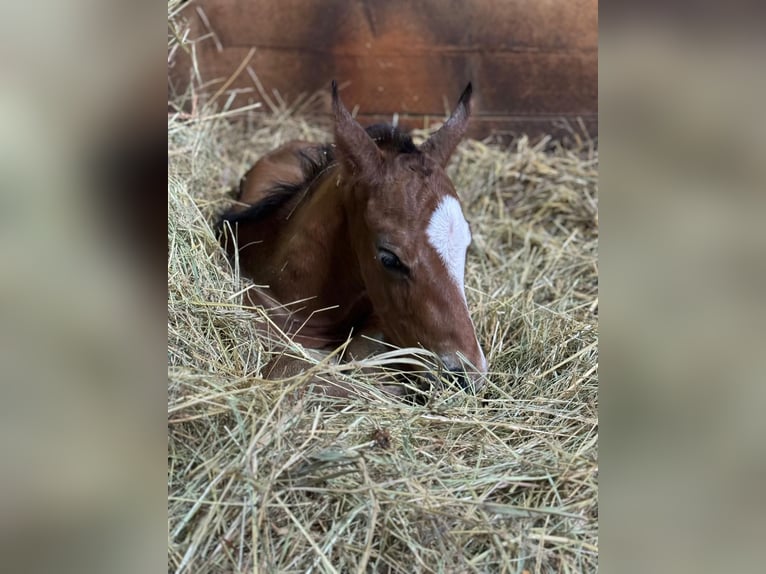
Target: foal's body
297 248
362 238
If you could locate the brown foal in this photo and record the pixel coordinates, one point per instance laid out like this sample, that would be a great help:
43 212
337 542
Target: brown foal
364 238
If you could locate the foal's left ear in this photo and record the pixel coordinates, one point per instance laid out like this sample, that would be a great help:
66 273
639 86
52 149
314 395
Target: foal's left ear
441 144
356 150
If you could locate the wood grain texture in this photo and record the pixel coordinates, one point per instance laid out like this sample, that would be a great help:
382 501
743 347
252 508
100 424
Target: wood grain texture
533 63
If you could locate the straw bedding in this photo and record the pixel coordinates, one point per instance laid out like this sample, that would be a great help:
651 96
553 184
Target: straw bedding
262 481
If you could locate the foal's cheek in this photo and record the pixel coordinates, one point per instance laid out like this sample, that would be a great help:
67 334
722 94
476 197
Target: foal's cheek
415 310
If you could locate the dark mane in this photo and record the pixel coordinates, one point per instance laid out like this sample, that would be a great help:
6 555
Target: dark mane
386 137
282 192
390 138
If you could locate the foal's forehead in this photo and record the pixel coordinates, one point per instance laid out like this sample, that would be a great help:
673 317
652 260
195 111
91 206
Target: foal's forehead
420 178
449 235
415 188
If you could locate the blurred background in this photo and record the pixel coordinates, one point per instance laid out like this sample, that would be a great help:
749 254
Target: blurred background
683 272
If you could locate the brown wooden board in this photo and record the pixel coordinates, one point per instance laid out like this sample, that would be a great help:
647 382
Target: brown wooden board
533 63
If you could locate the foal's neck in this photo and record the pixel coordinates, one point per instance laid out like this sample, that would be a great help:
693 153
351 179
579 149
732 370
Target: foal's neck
315 263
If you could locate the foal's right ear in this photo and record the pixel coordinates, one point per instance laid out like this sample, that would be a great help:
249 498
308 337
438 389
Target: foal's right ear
441 144
357 151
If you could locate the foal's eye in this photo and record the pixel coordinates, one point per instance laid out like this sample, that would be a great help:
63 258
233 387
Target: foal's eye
391 261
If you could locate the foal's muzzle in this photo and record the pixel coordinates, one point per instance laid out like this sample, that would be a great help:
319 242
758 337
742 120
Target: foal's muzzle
467 380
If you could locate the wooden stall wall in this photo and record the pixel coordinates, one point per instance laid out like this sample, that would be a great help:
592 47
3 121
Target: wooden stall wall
533 63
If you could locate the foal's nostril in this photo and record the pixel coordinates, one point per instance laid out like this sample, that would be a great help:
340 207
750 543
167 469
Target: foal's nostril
459 376
456 372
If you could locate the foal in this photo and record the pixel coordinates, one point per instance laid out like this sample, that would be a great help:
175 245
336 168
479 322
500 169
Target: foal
365 237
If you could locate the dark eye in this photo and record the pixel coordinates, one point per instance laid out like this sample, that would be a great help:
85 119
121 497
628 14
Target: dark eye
391 261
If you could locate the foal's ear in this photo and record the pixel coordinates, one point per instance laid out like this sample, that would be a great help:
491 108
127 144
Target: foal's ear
356 150
441 144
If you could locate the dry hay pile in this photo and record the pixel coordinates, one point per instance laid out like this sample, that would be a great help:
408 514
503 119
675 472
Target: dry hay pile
503 482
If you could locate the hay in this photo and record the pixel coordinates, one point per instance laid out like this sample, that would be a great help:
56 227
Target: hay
505 482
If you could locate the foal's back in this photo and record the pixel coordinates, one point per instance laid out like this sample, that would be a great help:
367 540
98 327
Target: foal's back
288 231
279 168
268 195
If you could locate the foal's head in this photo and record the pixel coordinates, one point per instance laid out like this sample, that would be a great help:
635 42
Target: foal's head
410 235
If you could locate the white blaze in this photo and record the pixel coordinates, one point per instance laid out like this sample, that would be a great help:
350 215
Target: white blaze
450 236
